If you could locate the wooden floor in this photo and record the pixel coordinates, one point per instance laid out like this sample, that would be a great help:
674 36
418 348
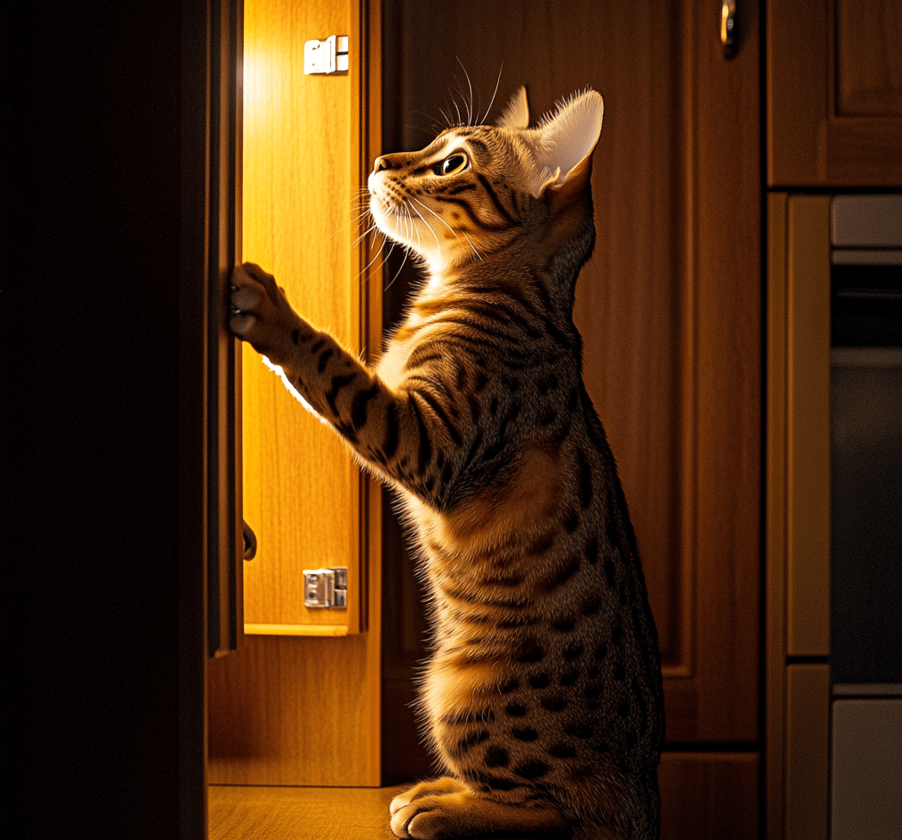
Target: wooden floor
704 796
299 813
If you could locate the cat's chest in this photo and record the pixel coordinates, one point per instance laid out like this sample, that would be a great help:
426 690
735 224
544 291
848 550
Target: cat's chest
393 362
391 365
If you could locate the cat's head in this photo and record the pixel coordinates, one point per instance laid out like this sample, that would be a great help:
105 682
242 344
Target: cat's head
476 188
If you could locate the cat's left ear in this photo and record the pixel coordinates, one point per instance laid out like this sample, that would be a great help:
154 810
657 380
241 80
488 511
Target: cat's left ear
566 140
516 114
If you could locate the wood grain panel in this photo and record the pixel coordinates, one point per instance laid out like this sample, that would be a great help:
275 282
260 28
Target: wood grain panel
709 796
868 60
723 270
807 378
273 729
807 755
834 99
251 813
302 490
776 516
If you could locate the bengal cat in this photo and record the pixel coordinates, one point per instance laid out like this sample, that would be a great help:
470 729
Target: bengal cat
542 697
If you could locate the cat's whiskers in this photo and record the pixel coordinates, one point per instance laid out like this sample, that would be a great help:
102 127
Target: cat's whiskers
470 243
438 244
468 102
470 109
385 239
360 209
459 118
372 228
437 216
400 267
494 94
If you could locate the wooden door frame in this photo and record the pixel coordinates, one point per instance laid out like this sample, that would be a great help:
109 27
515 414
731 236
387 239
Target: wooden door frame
210 523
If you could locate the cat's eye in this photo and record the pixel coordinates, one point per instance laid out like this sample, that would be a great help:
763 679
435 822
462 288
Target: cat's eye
453 164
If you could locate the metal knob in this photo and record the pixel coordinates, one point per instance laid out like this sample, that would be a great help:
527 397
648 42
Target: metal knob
728 27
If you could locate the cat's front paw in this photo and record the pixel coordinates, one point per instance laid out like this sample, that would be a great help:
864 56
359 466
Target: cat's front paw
447 808
260 312
436 787
428 818
408 808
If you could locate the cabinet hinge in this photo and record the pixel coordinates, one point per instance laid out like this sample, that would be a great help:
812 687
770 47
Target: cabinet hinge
326 57
326 588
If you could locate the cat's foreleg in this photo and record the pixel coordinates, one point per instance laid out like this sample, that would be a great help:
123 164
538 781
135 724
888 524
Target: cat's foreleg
383 427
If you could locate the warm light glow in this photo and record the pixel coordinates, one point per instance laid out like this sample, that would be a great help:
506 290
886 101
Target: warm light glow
258 73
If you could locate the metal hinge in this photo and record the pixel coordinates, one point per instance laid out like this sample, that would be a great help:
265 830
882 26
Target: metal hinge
329 56
326 588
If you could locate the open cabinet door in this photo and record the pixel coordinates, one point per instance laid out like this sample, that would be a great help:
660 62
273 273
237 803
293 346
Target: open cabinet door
209 504
225 546
307 680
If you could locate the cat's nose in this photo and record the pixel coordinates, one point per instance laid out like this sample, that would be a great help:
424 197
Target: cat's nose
382 162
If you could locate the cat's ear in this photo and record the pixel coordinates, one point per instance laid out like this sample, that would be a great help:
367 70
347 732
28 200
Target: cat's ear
516 114
565 141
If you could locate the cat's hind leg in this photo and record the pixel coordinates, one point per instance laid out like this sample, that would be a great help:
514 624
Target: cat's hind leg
447 808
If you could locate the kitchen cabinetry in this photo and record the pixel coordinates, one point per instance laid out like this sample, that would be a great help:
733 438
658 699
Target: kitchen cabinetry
834 93
834 123
669 307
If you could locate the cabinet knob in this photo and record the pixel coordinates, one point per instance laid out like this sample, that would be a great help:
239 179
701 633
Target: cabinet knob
250 541
728 27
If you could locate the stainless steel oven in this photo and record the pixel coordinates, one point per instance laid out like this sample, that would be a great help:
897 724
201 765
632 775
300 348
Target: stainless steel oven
866 516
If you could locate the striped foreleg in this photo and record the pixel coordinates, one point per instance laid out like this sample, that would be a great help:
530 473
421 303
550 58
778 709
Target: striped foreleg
384 428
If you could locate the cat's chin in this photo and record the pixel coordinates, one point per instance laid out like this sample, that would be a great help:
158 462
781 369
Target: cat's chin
409 233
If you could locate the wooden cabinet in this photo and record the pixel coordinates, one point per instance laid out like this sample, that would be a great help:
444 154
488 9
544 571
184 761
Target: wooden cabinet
834 93
798 516
834 122
670 311
299 704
